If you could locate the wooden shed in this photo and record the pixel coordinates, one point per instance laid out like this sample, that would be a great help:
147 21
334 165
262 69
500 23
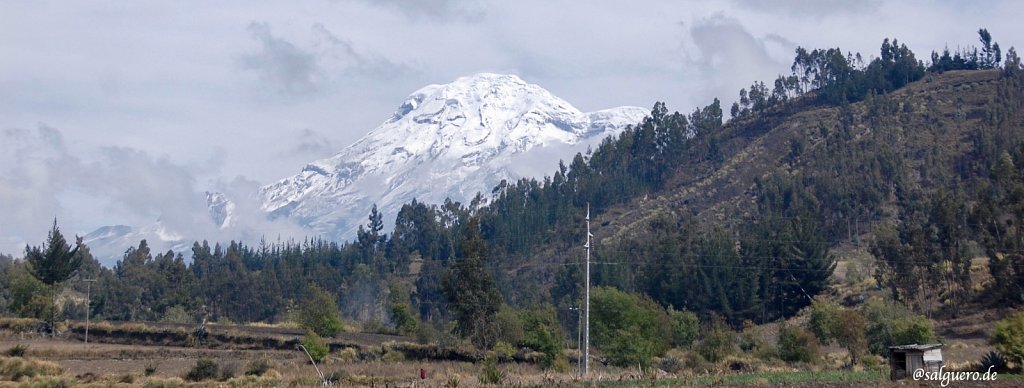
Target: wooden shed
905 359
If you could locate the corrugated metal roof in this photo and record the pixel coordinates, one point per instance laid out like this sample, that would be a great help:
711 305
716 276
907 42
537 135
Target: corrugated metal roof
915 347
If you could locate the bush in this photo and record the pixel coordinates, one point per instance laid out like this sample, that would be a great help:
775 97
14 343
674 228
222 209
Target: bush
685 327
890 324
150 369
630 329
872 362
717 344
14 368
823 320
258 367
17 350
504 351
229 371
319 313
348 355
541 332
673 362
913 330
405 322
849 332
336 377
426 334
315 345
695 362
491 374
750 339
126 378
509 325
177 314
994 361
797 345
204 369
1008 338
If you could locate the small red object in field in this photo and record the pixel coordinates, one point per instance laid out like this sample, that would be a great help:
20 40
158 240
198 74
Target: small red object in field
423 374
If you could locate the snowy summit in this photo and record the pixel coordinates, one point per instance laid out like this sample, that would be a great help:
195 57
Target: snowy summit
444 141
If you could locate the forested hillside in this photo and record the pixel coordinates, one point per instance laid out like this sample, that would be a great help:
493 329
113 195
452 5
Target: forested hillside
730 220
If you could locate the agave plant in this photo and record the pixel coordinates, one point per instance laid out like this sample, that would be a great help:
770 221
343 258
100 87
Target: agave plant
995 361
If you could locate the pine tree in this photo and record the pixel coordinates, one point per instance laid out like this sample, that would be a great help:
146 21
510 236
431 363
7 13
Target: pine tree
470 289
54 263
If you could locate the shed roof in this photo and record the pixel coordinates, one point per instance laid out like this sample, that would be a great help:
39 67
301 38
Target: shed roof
916 347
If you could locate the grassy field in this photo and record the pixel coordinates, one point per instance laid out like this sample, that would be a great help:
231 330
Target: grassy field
57 363
155 355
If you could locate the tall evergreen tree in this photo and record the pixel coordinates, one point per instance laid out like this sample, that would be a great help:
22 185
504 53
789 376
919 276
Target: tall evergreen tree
470 290
54 263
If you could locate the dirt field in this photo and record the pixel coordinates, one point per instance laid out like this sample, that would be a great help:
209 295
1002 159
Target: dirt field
105 364
148 359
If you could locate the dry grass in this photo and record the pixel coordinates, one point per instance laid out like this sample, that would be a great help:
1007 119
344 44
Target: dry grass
18 368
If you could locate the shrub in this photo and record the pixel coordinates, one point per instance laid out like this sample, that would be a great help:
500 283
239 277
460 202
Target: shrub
204 369
995 361
405 321
890 323
337 376
315 345
509 325
258 367
229 371
797 345
717 344
631 329
1008 337
849 331
426 334
913 330
491 374
672 362
823 320
14 368
685 327
51 382
150 369
17 350
750 340
873 362
348 354
695 362
177 314
319 313
561 364
504 351
541 332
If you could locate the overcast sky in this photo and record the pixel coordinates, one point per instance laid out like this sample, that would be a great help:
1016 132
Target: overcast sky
124 112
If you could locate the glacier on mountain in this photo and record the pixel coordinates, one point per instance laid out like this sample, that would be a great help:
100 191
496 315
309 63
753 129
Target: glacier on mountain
443 141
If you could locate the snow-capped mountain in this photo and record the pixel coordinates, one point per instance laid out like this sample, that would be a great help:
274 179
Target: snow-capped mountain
221 208
444 141
109 243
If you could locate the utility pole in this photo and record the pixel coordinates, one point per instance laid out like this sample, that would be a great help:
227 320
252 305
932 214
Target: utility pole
586 329
88 305
579 338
